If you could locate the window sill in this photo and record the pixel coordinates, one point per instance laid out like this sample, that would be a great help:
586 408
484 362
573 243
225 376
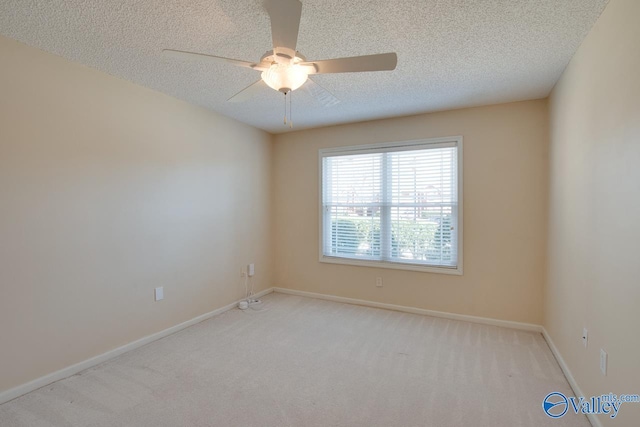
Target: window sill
457 271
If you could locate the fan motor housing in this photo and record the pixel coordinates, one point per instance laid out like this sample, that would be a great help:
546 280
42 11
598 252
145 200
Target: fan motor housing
270 58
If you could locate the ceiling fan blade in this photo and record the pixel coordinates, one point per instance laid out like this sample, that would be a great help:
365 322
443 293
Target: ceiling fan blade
285 22
379 62
181 54
320 94
248 91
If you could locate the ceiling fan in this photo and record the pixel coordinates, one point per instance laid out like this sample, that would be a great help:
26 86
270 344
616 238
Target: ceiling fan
285 69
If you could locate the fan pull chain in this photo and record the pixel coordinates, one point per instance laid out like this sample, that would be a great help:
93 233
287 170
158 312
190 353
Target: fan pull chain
290 113
285 108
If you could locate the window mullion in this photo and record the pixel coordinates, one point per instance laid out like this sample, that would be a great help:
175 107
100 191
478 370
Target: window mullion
385 211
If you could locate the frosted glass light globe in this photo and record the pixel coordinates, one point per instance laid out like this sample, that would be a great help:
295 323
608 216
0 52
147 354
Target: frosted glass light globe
285 77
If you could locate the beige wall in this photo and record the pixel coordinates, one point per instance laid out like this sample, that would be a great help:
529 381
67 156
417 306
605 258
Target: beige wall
108 190
505 194
594 225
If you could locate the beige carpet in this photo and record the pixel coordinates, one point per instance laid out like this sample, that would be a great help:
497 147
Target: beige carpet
307 362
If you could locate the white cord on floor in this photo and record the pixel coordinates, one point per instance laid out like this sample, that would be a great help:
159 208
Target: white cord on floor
255 304
246 286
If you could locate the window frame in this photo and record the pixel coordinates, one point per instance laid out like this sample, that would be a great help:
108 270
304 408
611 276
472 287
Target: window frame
393 146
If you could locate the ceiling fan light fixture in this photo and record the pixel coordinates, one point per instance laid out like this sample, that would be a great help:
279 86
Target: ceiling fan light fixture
285 77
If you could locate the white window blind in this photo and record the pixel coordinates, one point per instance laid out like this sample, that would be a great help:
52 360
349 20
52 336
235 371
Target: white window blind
395 203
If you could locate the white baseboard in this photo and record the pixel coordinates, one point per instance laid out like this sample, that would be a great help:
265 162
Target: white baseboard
595 422
20 390
453 316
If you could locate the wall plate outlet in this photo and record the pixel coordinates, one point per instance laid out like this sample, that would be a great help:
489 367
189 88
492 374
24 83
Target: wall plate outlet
251 270
379 282
603 362
585 337
159 293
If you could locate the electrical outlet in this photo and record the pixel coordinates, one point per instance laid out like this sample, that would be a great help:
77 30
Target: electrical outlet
159 293
585 337
251 270
379 282
603 362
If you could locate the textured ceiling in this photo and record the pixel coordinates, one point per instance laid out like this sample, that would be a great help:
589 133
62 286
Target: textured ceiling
451 53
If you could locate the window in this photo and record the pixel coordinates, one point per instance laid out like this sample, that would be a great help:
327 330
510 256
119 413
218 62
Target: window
395 205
